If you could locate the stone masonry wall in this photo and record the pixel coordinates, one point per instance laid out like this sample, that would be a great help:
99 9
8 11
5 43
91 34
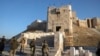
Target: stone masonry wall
59 17
82 23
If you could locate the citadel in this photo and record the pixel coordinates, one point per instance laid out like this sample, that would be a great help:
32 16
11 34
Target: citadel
63 28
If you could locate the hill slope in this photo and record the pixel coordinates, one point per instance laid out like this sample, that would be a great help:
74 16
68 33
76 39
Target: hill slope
85 36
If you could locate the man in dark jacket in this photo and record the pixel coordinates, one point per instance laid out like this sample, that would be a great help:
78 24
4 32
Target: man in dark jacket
2 44
32 47
98 49
13 46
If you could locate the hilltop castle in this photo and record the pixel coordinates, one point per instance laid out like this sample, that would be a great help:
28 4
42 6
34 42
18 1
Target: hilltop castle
61 19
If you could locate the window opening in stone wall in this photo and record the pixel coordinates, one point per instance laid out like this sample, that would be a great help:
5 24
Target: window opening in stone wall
58 12
53 11
58 28
88 23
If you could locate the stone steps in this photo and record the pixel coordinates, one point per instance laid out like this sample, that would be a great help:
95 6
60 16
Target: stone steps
27 51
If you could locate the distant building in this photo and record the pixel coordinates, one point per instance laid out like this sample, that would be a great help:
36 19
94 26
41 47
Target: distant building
37 25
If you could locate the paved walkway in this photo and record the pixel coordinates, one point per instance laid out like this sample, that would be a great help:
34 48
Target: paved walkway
27 51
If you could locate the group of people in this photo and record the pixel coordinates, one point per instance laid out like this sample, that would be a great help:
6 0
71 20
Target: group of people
45 48
14 44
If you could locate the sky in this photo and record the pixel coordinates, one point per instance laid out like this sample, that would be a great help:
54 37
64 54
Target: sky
16 15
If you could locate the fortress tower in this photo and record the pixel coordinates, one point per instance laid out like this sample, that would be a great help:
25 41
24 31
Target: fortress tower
61 18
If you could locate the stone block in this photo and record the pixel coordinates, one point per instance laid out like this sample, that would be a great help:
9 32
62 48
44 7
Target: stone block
88 53
72 51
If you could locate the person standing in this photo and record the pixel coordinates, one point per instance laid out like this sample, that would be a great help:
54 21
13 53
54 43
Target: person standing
22 43
45 49
2 44
13 46
98 49
32 47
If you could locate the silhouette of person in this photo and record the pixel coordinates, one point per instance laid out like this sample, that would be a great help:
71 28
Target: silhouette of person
22 42
45 49
32 47
2 44
13 46
98 49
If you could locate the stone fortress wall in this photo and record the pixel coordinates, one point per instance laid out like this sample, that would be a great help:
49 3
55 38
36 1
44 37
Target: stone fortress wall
59 18
89 23
63 18
82 23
